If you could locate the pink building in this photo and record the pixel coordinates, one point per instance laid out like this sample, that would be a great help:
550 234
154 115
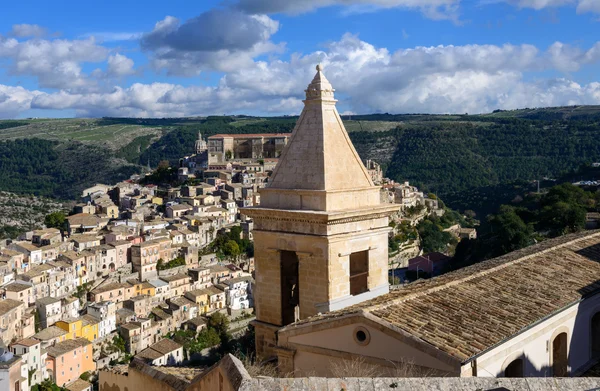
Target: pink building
431 263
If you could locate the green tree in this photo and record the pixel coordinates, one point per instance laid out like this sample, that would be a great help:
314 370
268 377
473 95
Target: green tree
231 249
47 385
562 218
511 232
433 237
85 376
37 320
118 344
56 220
220 323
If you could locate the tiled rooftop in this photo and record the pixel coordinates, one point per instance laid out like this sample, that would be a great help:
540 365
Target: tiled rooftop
493 300
110 287
78 385
47 300
66 346
165 346
17 287
49 333
7 305
27 342
175 277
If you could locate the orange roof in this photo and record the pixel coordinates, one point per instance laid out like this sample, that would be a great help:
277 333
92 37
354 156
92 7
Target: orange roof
253 135
27 342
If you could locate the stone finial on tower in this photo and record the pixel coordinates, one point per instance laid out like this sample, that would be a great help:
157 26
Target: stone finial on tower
320 88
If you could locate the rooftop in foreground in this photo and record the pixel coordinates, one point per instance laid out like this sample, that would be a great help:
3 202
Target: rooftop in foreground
493 300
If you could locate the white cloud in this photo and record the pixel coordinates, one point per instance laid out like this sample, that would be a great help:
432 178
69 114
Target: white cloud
434 9
119 65
441 79
583 6
588 6
15 100
540 4
28 30
113 36
219 39
56 63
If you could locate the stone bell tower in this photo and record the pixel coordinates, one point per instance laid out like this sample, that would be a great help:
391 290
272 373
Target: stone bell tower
321 231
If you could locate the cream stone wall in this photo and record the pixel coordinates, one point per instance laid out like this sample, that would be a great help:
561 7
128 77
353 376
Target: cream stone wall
337 344
313 273
534 345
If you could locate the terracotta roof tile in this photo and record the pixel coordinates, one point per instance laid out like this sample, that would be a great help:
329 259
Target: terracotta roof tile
472 309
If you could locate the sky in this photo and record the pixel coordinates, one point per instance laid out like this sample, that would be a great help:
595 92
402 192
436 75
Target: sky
156 58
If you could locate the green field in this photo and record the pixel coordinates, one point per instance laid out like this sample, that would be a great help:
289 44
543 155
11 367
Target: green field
92 131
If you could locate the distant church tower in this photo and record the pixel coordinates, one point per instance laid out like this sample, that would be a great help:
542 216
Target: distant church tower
320 232
201 145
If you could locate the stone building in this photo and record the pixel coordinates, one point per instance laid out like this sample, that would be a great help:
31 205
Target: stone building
321 231
164 352
50 310
145 256
223 147
21 292
531 313
13 372
34 357
12 320
67 360
105 312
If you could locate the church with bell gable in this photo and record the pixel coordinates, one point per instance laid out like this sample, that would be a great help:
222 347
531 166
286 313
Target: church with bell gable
323 301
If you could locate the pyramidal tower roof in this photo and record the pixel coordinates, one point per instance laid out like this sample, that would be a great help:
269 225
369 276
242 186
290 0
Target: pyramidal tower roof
320 155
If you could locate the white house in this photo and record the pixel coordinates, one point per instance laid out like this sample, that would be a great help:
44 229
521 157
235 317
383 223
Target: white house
239 294
232 210
164 352
162 291
13 372
31 353
70 307
49 309
106 312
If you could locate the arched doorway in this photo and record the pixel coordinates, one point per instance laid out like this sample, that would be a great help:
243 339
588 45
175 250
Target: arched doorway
595 337
514 369
559 356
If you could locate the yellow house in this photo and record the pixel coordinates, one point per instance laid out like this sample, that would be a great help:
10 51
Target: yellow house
89 329
157 200
83 327
200 297
142 288
72 326
148 289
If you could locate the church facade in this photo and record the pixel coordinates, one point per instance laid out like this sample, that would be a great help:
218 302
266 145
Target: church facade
531 313
322 296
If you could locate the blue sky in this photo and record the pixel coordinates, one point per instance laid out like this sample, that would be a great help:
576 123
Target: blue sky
121 58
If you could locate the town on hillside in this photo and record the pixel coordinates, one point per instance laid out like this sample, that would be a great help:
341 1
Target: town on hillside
259 257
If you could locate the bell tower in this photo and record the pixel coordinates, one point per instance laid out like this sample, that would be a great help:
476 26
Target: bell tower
321 231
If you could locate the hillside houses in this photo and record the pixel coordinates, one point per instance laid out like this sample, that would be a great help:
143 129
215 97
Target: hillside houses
126 263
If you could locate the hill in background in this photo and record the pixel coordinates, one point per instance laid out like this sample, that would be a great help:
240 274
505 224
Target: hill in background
454 156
